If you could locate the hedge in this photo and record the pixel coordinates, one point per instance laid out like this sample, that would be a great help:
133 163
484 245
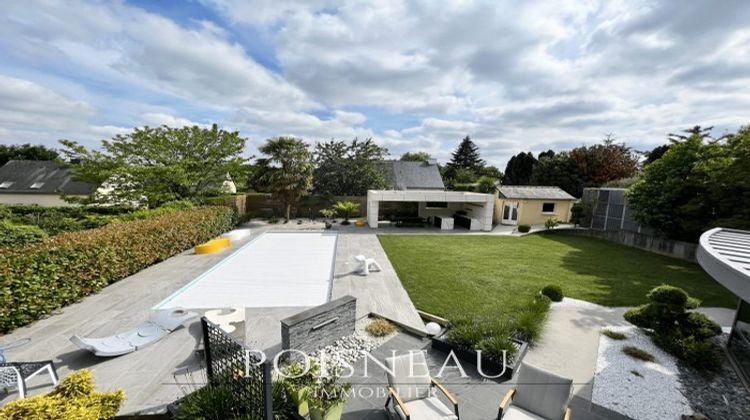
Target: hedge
12 234
46 276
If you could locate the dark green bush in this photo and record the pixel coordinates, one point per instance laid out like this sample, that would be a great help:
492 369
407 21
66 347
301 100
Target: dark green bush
524 228
554 292
212 402
43 277
495 347
13 235
678 332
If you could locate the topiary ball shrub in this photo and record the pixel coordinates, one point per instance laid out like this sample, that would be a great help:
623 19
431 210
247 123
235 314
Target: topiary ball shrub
380 328
524 228
553 292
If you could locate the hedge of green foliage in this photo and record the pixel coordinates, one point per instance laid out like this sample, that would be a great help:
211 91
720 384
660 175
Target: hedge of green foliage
524 228
12 234
43 277
553 292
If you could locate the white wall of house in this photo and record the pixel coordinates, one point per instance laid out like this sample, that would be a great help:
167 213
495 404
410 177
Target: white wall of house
45 200
477 206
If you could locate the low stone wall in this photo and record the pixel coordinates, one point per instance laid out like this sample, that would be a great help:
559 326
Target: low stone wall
669 247
315 328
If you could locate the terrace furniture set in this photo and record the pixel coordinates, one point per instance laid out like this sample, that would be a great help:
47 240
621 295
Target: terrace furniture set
411 393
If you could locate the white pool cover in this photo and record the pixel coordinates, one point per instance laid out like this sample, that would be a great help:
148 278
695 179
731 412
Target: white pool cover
273 270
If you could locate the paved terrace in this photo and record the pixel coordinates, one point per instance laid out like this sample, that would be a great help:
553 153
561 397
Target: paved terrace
148 375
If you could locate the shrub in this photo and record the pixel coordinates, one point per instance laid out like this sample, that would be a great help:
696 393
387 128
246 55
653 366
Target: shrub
5 212
73 398
209 402
15 235
676 331
465 335
495 347
524 228
551 223
554 292
613 334
380 327
639 354
43 277
346 208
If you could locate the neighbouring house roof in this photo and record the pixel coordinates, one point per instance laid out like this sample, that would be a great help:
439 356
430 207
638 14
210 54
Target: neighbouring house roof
404 175
528 192
40 177
725 255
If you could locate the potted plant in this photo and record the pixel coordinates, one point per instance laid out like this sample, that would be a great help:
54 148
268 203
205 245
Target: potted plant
326 397
299 382
345 209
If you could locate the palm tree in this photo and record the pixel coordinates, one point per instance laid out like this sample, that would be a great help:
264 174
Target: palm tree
346 208
286 171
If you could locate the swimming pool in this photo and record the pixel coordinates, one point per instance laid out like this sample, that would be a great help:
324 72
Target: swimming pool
273 270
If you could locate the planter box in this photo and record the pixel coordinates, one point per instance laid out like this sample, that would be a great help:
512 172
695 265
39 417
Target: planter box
489 367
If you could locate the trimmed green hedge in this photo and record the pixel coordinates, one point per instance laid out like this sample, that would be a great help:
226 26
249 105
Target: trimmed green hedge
43 277
12 234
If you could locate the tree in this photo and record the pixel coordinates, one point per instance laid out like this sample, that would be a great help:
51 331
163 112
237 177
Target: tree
519 168
26 152
674 194
561 170
286 170
466 157
416 156
155 165
491 172
348 169
695 131
601 163
486 185
656 153
548 154
346 208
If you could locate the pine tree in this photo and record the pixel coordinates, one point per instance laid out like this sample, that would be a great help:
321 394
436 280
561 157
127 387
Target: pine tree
465 157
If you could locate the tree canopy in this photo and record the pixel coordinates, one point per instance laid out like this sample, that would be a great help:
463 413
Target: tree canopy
519 169
416 156
26 152
152 166
559 170
285 170
604 162
697 184
348 168
466 157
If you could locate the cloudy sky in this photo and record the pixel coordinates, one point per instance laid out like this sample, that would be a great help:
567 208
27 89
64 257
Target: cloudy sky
414 75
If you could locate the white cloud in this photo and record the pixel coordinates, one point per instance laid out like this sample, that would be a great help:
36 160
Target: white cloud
155 119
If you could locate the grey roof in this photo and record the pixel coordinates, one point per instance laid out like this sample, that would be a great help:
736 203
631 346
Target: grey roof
405 175
51 178
533 192
725 255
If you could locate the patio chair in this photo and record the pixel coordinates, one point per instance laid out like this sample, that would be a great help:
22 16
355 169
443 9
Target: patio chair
158 326
411 393
17 373
366 264
538 394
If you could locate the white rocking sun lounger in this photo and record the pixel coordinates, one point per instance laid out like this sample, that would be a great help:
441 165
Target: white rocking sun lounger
366 264
158 326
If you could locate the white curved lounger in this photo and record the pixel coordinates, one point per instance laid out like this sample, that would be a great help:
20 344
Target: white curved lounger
157 327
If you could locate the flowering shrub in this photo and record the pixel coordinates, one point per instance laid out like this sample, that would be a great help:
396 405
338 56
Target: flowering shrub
43 277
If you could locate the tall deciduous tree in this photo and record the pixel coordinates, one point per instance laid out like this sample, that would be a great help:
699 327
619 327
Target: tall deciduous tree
416 156
519 169
560 170
465 157
26 152
352 168
285 170
601 163
155 165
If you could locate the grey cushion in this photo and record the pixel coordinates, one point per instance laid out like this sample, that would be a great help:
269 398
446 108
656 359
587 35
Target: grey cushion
409 376
542 393
516 413
427 409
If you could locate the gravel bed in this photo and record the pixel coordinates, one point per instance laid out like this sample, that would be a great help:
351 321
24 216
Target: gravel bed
654 393
717 396
347 350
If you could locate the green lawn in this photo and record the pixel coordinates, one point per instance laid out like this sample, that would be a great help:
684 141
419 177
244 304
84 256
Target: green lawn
491 277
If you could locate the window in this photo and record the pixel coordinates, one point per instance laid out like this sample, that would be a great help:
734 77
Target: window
36 185
436 205
6 184
548 207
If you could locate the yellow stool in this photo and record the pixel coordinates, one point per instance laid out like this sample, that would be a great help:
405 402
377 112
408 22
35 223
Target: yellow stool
212 246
